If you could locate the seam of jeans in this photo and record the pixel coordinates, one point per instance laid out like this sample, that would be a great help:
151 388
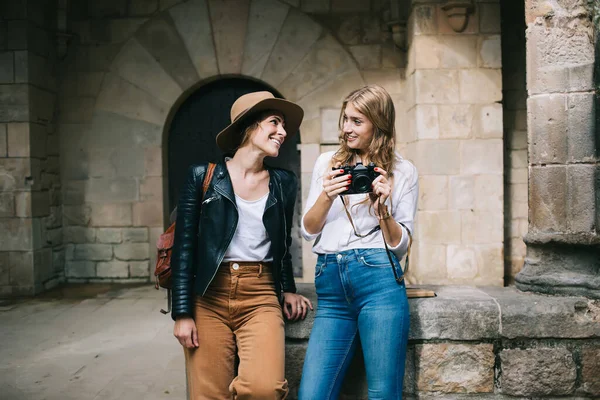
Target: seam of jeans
337 374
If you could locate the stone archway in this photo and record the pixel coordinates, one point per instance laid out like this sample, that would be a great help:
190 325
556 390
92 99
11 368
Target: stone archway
196 42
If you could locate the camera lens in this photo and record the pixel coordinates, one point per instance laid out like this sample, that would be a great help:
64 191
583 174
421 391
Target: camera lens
361 184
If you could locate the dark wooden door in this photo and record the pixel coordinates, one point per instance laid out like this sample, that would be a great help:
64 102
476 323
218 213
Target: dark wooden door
192 140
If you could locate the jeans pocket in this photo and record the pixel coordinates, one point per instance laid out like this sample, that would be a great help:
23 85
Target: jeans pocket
319 268
375 258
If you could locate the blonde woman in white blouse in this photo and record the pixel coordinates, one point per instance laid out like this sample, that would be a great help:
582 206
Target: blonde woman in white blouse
359 284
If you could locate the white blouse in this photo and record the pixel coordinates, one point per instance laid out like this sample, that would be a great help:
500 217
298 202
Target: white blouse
337 234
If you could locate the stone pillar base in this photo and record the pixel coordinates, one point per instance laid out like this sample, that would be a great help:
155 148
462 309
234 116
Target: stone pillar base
561 265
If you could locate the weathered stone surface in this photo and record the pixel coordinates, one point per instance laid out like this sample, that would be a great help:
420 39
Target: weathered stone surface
590 361
110 131
151 189
462 192
548 198
325 60
458 313
7 72
490 121
108 235
93 252
112 269
427 121
135 235
482 156
547 122
537 372
480 86
19 234
438 157
139 269
367 56
440 227
581 198
301 329
77 215
349 6
489 193
192 22
162 40
455 368
105 214
7 205
535 316
3 141
437 87
457 51
433 192
114 190
148 214
444 28
136 65
153 161
552 54
490 52
80 269
121 162
132 251
581 137
294 361
297 36
264 25
22 268
229 20
461 262
455 121
122 98
489 18
79 234
482 226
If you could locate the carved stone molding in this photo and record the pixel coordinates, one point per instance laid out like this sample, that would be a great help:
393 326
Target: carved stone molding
457 12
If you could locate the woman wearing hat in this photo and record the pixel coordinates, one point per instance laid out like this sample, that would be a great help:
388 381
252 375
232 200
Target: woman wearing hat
232 271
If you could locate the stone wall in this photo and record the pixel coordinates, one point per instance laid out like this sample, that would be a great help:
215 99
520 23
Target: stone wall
130 64
31 256
492 343
454 90
563 245
515 137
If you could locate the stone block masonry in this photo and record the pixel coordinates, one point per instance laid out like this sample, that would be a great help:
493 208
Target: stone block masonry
483 343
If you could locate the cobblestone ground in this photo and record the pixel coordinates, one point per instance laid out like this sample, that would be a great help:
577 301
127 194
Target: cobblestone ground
97 342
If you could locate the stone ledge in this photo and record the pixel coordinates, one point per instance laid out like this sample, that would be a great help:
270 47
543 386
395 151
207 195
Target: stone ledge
486 313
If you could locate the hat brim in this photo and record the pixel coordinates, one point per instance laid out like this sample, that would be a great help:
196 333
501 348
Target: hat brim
230 138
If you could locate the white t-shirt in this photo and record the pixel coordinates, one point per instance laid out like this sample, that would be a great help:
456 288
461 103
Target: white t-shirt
337 234
250 241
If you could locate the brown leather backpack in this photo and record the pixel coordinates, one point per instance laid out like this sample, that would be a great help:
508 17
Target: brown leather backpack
164 246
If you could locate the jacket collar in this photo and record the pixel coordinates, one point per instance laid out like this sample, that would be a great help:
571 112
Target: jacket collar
222 184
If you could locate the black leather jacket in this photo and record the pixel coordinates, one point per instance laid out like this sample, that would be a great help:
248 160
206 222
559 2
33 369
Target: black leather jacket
206 226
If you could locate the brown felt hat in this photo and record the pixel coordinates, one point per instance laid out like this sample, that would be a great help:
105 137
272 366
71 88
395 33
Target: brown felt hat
249 104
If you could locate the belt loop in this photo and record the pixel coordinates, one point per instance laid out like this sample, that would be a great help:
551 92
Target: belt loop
260 269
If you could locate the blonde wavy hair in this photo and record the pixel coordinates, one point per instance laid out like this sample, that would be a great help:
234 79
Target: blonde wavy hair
375 103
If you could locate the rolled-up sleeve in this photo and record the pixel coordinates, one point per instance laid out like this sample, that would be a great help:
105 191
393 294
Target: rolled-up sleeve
404 212
316 186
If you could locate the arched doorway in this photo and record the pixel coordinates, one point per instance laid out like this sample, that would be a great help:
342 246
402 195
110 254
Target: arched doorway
191 140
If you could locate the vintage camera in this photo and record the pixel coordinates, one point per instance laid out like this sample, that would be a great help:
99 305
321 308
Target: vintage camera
362 178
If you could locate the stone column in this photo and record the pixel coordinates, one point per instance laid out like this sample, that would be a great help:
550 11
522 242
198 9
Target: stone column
563 245
30 221
455 140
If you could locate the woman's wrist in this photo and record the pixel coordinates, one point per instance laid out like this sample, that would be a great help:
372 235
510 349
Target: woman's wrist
383 214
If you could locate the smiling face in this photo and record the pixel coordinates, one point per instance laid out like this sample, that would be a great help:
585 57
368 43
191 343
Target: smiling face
357 129
269 134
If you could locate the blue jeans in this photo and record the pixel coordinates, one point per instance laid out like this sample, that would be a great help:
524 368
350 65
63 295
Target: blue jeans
358 298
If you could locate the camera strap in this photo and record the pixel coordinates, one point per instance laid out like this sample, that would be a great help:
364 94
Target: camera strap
399 279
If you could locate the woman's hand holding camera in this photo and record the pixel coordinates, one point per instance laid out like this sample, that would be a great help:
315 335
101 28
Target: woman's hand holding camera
381 191
333 184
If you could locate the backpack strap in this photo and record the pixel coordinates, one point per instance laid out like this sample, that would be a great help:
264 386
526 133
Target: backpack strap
207 178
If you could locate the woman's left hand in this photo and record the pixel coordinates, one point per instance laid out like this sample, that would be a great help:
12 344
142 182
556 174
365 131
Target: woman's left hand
295 306
381 189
